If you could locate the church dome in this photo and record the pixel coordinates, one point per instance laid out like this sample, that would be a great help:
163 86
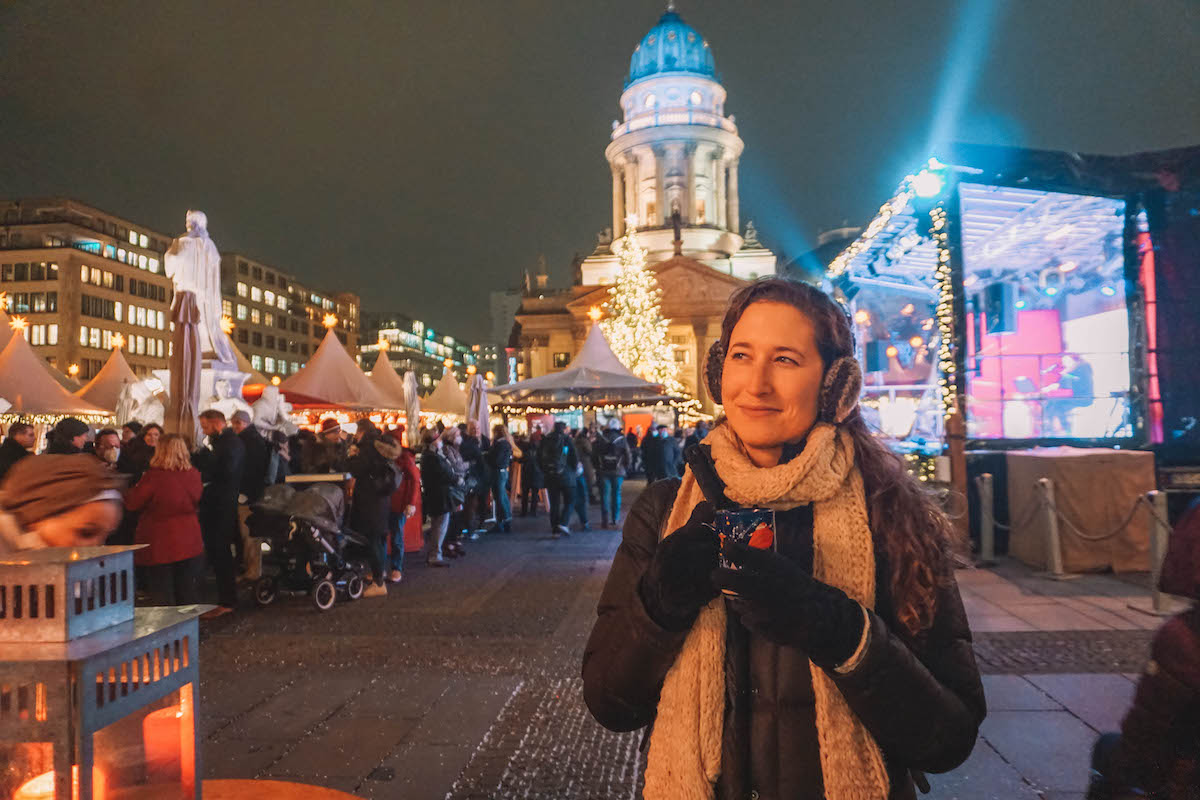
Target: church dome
671 46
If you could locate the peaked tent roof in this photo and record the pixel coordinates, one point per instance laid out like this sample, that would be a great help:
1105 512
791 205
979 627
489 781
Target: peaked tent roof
6 331
105 388
26 383
387 380
332 379
595 375
243 363
447 397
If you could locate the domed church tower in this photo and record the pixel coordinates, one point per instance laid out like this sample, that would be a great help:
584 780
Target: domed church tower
676 151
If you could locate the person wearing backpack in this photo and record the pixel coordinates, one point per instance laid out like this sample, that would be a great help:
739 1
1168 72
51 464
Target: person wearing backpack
560 464
610 457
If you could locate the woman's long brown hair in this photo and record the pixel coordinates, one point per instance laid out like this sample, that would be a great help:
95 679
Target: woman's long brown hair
906 522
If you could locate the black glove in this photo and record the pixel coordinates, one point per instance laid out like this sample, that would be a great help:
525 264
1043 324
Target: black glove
678 582
784 604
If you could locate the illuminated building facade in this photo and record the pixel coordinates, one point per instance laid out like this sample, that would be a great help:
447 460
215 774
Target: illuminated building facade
415 347
79 275
277 320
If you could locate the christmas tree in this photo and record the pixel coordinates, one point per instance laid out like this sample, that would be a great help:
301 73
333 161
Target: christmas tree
634 327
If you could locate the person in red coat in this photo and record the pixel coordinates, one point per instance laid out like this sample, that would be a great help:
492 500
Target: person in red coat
167 497
404 505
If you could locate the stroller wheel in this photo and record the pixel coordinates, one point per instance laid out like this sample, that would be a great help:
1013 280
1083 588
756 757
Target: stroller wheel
324 594
265 591
354 585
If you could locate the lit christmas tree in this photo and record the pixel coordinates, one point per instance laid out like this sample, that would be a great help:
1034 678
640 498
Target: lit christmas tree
635 328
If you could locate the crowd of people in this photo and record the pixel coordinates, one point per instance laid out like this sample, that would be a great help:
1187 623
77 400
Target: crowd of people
191 506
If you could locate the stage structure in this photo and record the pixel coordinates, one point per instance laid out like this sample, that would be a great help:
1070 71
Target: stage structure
1021 288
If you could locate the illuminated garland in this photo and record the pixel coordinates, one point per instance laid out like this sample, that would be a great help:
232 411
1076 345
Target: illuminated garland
924 467
888 210
945 313
53 419
683 406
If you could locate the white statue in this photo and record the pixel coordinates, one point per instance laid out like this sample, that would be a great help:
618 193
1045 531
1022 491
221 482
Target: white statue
224 400
194 265
271 412
142 401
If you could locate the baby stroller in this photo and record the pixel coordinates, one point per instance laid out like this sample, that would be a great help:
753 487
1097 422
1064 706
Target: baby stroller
306 548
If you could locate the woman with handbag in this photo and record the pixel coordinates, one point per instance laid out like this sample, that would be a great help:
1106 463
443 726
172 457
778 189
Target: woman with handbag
838 660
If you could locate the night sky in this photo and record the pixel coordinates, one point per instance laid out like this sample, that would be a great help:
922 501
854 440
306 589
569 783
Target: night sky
424 153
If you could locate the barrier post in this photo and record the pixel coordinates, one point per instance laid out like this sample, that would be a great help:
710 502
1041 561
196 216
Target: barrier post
987 520
1159 536
1053 545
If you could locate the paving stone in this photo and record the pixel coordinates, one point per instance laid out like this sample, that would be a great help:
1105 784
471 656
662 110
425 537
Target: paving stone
241 758
409 695
1016 693
344 746
463 714
1061 651
1048 748
1056 617
422 772
1099 700
984 776
997 623
291 713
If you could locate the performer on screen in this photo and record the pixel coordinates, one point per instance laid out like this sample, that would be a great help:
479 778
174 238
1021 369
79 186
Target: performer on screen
1076 378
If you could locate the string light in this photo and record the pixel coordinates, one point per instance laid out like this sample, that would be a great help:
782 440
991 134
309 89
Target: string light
635 328
945 312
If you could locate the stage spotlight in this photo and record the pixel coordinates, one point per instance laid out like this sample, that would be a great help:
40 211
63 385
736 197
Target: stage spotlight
1107 291
1020 304
928 184
1051 291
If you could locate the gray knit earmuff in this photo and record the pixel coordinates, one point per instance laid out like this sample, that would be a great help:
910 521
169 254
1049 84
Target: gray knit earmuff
840 387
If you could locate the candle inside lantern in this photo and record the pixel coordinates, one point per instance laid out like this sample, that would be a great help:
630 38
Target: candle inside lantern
169 738
42 787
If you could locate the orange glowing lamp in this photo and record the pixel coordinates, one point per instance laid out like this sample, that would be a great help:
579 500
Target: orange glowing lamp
594 313
42 787
18 324
73 370
330 320
117 341
276 380
383 344
916 341
892 352
862 317
227 324
471 370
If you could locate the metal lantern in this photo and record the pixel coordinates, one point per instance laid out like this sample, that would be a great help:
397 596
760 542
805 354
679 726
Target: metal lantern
97 699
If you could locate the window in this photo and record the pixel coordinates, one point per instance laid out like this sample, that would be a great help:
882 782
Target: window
143 241
295 366
255 316
119 308
226 308
242 289
696 99
269 298
257 273
243 268
107 280
97 276
133 237
52 333
159 347
241 311
84 273
121 254
256 294
561 360
141 316
154 265
281 303
243 336
256 340
681 356
283 345
271 342
37 334
52 272
271 278
37 271
94 338
269 363
651 101
304 349
143 262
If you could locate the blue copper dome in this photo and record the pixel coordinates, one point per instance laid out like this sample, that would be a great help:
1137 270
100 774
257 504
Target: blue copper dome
671 46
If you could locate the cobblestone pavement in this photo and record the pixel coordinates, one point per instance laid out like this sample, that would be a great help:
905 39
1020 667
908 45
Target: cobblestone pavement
464 682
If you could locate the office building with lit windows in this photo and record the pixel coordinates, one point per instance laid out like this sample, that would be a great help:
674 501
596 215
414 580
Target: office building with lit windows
79 275
416 347
278 321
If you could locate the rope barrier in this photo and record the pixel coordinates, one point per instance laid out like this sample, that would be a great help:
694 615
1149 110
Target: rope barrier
1039 505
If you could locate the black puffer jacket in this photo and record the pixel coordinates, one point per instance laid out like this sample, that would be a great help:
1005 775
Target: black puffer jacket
923 702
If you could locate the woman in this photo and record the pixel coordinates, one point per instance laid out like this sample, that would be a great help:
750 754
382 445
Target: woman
452 438
472 446
58 501
533 480
843 659
167 498
437 478
500 457
404 504
137 454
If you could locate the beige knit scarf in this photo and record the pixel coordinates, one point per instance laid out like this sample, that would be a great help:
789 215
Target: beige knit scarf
685 746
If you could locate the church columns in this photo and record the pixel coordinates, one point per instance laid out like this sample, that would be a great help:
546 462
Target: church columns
618 201
719 187
660 199
689 182
734 211
631 197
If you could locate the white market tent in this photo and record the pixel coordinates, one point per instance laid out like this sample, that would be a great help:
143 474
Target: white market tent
446 398
387 380
331 379
26 383
595 377
104 389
